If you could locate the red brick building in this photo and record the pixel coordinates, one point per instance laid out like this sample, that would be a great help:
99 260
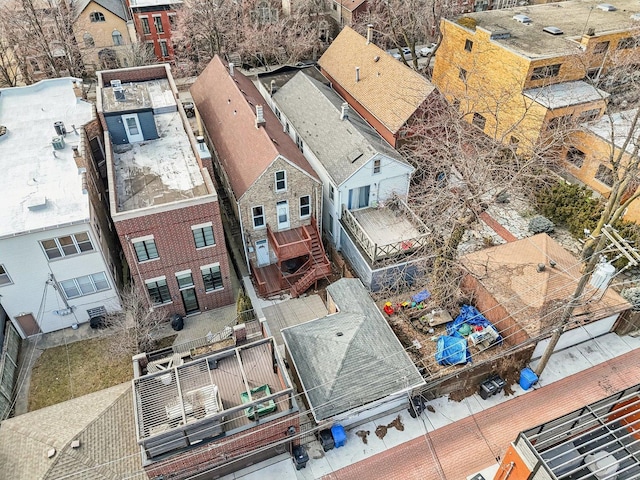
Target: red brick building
154 20
163 203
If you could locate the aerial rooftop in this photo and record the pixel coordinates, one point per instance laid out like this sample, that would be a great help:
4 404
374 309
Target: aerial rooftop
574 18
622 124
158 171
42 185
353 141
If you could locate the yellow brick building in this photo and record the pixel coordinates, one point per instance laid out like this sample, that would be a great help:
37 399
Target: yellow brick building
589 153
102 31
519 73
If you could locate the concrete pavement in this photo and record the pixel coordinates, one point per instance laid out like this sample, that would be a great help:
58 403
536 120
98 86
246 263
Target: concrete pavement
458 439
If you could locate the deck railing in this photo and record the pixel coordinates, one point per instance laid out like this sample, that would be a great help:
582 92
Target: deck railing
377 251
287 250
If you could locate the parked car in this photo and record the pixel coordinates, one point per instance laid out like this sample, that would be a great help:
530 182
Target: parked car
407 54
428 50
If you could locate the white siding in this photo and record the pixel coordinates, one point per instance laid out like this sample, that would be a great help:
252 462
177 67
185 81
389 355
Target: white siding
29 269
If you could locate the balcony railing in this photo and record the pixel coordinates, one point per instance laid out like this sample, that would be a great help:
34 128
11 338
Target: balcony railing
289 244
376 251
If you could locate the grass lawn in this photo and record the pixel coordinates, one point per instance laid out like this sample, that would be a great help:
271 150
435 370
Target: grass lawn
69 371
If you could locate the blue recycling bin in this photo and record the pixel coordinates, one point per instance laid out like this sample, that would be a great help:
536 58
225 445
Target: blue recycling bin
527 378
339 436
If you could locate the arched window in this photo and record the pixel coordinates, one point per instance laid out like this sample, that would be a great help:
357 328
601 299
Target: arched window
97 17
117 37
88 40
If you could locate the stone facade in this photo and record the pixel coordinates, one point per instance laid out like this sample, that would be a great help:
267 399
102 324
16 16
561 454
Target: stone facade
263 193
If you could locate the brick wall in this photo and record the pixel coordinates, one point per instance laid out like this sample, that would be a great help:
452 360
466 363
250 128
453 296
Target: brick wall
513 333
215 453
176 248
139 74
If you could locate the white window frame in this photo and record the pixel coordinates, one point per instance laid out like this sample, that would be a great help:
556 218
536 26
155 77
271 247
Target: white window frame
262 215
307 206
155 23
184 274
155 281
5 279
164 48
60 247
145 239
207 268
201 228
91 281
283 180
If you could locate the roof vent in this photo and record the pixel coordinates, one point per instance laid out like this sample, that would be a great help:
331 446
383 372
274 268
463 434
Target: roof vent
51 453
115 83
36 202
607 7
344 111
522 19
635 17
231 65
119 94
357 74
541 267
75 444
553 30
60 128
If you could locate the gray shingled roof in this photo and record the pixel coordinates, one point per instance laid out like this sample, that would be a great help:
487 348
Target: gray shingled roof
314 110
114 6
351 358
103 423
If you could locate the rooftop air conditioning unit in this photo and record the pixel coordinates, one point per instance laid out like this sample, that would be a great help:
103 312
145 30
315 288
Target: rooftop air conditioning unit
118 92
607 7
58 142
116 83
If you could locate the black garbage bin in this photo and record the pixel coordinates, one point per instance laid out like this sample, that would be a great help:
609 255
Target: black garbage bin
326 439
177 322
300 457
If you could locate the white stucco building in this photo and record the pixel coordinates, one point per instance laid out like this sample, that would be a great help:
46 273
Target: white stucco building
55 267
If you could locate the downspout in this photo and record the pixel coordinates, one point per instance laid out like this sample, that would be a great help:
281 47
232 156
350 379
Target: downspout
319 206
56 287
244 243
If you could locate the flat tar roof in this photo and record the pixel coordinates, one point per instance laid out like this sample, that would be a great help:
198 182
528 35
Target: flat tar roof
155 172
573 17
42 186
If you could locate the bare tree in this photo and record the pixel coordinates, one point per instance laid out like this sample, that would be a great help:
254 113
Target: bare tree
136 324
40 35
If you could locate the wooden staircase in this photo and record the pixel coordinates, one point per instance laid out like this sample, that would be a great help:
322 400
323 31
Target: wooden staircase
320 265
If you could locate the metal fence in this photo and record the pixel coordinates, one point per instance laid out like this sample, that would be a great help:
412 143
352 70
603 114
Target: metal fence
8 368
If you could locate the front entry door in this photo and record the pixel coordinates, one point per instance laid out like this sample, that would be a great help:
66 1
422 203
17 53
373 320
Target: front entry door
190 300
132 127
262 252
283 215
28 324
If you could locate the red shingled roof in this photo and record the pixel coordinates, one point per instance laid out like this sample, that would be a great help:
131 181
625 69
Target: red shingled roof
226 105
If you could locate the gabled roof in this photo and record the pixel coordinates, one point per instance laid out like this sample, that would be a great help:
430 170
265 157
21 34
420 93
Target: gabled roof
226 105
103 422
351 358
534 298
314 110
114 6
387 88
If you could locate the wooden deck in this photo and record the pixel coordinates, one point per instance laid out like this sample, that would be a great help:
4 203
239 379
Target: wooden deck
384 227
267 279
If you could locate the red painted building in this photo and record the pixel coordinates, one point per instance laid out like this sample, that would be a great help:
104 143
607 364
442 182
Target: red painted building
154 20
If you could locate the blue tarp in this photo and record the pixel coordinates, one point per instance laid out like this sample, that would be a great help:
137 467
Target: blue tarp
421 296
471 316
452 351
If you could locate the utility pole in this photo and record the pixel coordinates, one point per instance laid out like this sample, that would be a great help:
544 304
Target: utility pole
608 235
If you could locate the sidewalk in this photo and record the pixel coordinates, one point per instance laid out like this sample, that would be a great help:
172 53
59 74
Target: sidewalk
459 439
